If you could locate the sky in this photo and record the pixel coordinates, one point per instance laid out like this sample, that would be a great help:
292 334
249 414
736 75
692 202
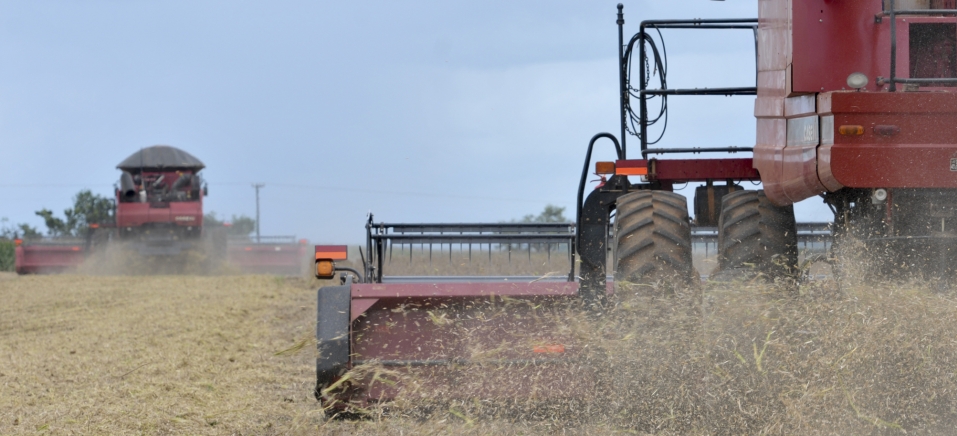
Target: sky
415 111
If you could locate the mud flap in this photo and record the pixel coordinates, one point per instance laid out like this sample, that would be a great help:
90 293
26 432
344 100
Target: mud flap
332 333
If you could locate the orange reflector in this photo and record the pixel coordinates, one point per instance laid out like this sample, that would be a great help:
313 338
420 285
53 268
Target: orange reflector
558 348
75 248
631 171
94 226
332 252
248 248
851 130
325 269
604 168
17 242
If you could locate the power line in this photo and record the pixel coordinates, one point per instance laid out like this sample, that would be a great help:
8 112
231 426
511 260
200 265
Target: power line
327 189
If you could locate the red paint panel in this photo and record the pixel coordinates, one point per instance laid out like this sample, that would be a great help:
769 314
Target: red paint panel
186 213
898 166
918 156
332 252
461 345
694 170
158 215
33 259
283 259
832 39
774 35
799 176
460 290
824 172
769 157
132 214
891 103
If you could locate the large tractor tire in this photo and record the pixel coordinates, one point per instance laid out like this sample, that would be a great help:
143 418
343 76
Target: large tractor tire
756 237
653 239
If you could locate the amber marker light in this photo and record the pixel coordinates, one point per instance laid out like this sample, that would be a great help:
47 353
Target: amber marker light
325 269
849 130
604 168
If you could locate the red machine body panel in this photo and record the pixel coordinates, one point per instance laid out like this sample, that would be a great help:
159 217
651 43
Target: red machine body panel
908 140
809 48
454 335
281 258
48 258
186 211
689 170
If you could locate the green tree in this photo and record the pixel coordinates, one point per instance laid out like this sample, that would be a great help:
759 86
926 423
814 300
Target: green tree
88 208
551 214
8 233
25 231
240 225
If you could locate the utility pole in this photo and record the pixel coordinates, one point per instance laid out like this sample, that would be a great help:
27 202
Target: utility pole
257 186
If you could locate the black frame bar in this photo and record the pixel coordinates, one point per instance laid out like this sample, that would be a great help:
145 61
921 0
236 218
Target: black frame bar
893 80
722 23
381 236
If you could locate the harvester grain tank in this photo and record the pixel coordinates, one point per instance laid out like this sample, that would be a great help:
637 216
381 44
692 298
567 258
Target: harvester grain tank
855 102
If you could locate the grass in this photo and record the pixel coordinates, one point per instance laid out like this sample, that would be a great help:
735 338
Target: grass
235 355
6 255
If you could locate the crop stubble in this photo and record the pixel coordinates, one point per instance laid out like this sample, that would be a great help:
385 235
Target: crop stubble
234 355
155 355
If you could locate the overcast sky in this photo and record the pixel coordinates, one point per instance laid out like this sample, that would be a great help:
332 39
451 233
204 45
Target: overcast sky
416 111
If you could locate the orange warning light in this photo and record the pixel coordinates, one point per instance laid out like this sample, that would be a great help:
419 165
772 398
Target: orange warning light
851 130
549 349
604 168
325 269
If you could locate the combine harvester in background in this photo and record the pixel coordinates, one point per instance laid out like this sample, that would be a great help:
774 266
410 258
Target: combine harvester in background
855 103
159 218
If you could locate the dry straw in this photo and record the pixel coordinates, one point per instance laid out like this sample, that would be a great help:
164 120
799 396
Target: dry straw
234 355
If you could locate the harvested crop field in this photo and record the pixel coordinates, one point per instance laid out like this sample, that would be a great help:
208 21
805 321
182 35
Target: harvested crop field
235 355
155 355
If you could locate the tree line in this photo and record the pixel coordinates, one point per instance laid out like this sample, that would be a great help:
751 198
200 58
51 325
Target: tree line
94 209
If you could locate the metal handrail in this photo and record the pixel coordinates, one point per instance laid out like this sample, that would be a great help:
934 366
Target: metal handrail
383 236
893 13
643 93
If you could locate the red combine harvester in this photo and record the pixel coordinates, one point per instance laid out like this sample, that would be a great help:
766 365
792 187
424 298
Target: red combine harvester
855 103
159 215
159 205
